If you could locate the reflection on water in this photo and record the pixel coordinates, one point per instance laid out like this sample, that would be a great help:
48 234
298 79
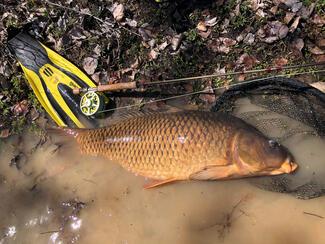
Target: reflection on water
58 196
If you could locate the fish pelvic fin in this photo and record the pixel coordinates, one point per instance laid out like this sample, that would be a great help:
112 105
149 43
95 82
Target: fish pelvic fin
154 183
214 172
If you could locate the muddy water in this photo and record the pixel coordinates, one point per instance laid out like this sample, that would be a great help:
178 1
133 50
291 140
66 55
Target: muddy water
55 195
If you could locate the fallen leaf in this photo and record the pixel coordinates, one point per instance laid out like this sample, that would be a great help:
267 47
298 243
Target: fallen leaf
247 61
273 31
321 43
131 22
77 34
205 34
294 5
256 4
152 43
298 44
162 46
118 12
318 20
176 41
316 50
90 64
201 26
222 44
305 12
319 58
274 9
211 22
95 77
295 24
249 39
280 61
153 54
241 77
208 96
34 114
20 108
145 33
289 16
4 133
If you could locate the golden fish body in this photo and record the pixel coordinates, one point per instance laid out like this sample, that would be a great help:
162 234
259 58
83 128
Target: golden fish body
175 146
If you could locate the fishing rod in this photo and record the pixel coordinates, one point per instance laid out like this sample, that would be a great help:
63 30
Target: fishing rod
208 90
136 85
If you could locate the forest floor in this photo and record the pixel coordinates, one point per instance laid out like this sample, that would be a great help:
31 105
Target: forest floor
157 40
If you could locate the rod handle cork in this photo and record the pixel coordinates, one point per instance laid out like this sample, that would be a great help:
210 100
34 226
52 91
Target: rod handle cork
109 87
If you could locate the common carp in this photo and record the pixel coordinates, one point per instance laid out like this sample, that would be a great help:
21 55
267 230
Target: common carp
187 145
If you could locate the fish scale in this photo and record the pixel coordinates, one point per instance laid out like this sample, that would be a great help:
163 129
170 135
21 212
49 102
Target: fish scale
162 146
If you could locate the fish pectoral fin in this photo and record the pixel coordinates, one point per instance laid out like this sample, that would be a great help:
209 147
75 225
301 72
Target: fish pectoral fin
154 183
214 172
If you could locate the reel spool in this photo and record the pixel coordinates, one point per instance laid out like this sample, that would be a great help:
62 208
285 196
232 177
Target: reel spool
91 103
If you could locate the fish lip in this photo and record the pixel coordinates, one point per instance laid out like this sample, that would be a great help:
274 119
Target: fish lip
288 166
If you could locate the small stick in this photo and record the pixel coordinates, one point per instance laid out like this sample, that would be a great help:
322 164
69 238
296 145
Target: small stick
315 215
49 232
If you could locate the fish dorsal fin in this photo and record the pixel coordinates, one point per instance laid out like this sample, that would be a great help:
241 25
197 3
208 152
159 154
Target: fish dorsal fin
120 116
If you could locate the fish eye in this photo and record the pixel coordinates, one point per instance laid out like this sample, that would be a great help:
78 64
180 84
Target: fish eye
273 144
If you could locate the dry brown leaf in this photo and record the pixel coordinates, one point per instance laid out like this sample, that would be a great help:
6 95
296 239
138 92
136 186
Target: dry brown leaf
162 46
280 61
295 24
201 26
222 44
211 22
4 133
205 34
208 98
90 64
289 16
298 44
274 9
20 108
316 50
273 31
118 12
247 61
176 41
318 20
249 39
294 5
319 58
321 43
153 54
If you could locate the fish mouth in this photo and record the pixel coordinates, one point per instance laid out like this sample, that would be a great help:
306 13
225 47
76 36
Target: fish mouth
287 167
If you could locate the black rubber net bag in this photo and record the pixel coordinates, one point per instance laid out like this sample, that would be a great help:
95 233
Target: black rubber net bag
293 113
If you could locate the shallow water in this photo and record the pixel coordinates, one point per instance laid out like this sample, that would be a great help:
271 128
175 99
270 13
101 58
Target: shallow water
59 196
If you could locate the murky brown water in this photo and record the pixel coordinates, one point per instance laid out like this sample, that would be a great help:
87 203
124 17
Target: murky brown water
62 197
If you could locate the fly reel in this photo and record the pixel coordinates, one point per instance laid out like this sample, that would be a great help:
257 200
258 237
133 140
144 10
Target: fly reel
91 103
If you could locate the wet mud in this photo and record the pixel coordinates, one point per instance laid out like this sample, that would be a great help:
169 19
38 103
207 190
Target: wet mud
58 196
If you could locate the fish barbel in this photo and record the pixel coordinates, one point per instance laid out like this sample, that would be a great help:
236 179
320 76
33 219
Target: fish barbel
186 145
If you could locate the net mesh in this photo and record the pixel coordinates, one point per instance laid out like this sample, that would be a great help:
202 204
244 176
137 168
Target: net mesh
283 108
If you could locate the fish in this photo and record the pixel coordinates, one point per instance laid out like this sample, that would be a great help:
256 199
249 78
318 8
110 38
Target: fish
186 145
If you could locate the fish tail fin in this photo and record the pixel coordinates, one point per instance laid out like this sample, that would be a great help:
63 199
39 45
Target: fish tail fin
65 137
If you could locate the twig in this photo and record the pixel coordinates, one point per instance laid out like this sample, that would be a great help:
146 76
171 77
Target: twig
76 11
49 232
110 25
315 215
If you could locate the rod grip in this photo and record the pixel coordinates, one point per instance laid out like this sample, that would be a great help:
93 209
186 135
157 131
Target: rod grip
109 87
117 86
